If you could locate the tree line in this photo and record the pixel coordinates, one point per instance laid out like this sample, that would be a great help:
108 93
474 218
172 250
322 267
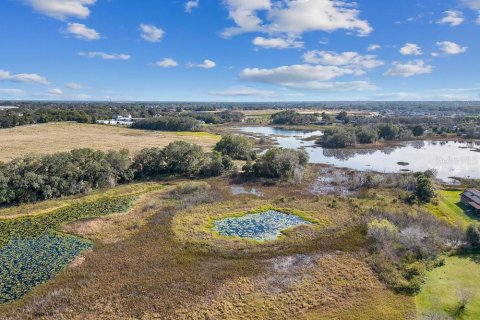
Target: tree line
35 178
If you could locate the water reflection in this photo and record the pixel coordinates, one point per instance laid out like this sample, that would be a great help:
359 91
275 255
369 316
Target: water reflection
449 158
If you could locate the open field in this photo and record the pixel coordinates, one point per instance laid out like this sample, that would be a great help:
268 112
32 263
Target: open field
145 265
57 137
451 209
446 285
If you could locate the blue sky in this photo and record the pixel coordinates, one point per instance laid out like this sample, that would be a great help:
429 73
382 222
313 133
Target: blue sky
239 50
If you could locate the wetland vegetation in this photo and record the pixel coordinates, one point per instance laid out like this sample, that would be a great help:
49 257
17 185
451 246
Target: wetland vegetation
240 228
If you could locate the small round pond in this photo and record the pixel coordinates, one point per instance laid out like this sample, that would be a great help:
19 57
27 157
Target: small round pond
262 226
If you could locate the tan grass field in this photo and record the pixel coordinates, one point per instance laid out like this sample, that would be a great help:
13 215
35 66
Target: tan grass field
58 137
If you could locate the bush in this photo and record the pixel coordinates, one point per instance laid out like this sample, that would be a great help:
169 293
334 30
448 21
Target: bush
183 158
424 190
216 165
280 163
338 138
35 178
473 236
292 117
406 244
366 135
235 146
168 123
388 131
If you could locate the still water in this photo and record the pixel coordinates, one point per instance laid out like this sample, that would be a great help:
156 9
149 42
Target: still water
449 158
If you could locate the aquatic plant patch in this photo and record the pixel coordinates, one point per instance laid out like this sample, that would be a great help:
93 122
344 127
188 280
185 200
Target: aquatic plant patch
261 226
33 226
26 263
32 251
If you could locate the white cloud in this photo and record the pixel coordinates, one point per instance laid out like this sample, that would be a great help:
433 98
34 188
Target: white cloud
374 47
277 43
62 9
450 48
333 86
12 92
55 92
347 59
411 49
105 56
81 31
190 5
453 18
206 64
74 86
409 69
306 77
243 92
294 17
151 33
166 63
478 19
23 77
294 73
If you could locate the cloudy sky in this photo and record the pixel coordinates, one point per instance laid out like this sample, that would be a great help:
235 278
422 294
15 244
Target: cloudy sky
240 50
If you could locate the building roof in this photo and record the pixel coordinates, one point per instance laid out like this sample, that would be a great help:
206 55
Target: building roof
474 196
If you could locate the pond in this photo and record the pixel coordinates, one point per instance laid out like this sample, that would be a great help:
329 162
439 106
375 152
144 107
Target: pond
449 158
262 226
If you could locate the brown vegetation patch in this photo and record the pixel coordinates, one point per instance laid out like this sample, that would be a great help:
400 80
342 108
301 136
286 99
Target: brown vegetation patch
57 137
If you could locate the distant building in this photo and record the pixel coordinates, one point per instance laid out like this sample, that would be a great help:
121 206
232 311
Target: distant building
119 120
471 198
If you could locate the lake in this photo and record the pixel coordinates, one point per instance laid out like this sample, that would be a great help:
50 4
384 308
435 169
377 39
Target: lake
449 158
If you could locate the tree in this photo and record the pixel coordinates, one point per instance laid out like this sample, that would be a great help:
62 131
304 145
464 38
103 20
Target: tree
424 190
473 236
183 158
366 135
417 130
343 116
168 123
338 138
388 131
235 146
149 163
280 163
292 117
216 165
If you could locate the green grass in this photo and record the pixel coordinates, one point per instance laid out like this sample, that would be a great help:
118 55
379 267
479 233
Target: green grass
451 209
445 284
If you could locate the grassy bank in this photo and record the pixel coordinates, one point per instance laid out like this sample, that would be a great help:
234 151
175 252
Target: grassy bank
446 286
449 208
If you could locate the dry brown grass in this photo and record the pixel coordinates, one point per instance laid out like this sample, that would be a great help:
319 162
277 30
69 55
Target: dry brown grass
148 274
57 137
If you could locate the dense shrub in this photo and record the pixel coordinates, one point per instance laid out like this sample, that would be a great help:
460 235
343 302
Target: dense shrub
292 117
424 191
280 163
168 123
473 236
35 178
338 138
235 146
388 131
366 135
406 244
343 116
